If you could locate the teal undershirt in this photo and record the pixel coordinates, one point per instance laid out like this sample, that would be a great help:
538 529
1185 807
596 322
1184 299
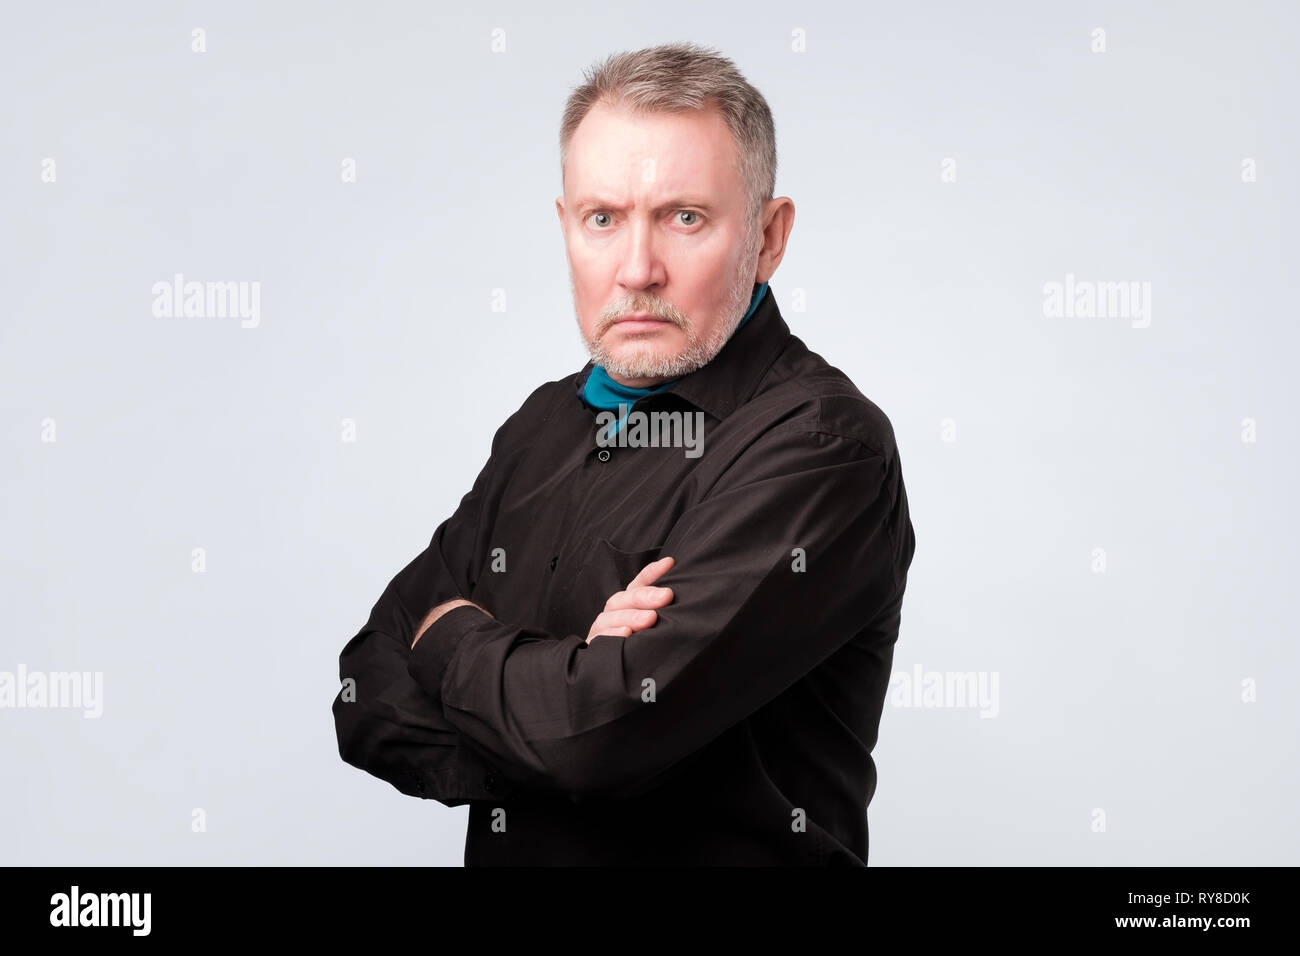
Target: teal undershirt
602 393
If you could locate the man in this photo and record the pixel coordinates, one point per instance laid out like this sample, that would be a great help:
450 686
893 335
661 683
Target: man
619 652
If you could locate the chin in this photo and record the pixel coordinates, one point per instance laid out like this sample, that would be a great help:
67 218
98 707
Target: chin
639 365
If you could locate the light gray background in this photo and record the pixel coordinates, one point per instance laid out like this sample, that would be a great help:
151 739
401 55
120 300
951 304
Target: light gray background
1120 691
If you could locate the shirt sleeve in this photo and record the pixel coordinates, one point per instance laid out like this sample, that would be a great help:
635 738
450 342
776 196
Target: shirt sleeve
385 723
798 547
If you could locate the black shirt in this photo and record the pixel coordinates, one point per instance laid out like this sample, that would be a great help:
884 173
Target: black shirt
738 729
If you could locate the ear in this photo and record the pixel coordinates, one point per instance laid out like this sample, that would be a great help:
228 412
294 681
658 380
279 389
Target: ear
778 220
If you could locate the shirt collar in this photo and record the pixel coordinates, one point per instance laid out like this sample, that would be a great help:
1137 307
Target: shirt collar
731 378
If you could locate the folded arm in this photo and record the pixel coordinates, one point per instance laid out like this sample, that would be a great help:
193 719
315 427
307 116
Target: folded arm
385 723
792 553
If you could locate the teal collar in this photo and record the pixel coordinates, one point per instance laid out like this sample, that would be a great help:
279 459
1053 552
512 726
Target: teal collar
602 393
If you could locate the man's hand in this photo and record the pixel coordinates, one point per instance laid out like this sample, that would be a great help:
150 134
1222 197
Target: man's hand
438 612
633 608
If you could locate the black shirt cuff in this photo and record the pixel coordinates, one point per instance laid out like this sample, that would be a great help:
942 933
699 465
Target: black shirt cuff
433 651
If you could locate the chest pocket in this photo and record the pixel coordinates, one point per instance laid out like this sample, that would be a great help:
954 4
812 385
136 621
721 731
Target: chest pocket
608 569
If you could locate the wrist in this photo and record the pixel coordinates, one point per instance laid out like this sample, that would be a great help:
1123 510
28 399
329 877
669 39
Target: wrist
438 611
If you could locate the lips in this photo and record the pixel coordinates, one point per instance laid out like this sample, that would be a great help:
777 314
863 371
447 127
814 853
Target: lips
641 323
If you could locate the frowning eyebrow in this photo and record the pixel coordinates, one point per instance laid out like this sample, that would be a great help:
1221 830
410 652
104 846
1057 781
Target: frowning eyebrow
681 202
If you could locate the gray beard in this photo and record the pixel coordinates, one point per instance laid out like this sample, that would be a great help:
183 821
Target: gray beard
648 361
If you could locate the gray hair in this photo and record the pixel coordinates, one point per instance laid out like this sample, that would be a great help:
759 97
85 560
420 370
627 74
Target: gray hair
675 78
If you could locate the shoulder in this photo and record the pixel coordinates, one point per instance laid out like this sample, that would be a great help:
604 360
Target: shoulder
546 399
525 425
803 393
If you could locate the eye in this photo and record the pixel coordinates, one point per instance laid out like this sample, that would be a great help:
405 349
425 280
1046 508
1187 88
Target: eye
605 215
689 212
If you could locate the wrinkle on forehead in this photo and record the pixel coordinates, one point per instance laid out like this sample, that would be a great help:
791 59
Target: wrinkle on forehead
621 157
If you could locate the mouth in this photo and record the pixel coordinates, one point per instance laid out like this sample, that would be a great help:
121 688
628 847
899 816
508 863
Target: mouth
641 323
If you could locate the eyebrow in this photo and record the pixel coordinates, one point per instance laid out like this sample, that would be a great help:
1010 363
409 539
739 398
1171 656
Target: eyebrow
590 202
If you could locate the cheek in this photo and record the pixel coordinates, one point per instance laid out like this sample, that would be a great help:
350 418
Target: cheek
587 255
590 277
589 305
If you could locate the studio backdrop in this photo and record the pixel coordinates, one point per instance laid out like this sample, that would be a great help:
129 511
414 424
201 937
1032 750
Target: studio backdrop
1057 246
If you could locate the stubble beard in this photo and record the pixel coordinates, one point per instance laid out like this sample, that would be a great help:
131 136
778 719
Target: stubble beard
643 357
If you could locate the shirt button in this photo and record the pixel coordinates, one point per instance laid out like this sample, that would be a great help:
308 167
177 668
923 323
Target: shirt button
603 454
419 785
490 782
554 560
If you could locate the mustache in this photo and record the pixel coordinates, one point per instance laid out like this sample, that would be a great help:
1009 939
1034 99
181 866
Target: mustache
666 313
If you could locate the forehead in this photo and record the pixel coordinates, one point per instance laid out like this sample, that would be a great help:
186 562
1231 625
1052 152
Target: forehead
616 152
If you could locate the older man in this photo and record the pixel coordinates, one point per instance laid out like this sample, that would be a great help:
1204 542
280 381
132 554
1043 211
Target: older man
617 652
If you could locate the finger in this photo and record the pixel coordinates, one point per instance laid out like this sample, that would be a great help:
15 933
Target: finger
620 621
646 597
632 618
650 573
609 632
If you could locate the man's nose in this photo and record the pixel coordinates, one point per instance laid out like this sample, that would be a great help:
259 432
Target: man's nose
638 257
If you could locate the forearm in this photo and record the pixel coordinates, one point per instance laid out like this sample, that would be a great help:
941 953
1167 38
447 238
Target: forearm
438 611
